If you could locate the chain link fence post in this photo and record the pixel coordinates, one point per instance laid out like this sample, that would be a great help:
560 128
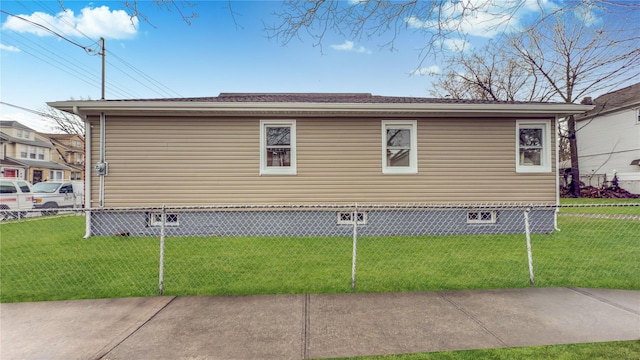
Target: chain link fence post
354 250
161 270
529 254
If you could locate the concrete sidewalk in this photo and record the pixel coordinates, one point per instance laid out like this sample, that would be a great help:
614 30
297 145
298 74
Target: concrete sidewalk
314 326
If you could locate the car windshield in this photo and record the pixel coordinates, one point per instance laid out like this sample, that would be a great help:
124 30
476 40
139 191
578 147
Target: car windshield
45 187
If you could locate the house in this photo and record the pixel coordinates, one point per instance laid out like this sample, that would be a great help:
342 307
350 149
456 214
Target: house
294 149
69 150
27 155
609 140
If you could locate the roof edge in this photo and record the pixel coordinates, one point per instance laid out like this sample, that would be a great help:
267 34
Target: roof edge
129 107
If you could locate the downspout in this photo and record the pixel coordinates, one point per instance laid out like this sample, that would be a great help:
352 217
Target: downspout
87 172
102 158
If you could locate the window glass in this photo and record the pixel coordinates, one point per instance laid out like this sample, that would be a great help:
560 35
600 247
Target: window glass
7 188
278 147
399 147
24 187
533 146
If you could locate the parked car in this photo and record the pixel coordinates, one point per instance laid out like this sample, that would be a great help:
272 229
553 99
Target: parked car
15 195
58 194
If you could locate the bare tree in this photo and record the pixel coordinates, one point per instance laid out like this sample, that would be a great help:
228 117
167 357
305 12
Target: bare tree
65 122
436 20
576 59
490 74
564 58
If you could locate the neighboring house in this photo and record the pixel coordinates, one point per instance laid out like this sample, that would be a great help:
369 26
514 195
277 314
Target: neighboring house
68 150
9 168
288 149
27 155
609 140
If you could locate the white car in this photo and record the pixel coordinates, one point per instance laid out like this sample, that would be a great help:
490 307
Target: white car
16 196
58 194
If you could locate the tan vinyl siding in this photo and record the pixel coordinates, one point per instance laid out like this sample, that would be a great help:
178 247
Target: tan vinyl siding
204 161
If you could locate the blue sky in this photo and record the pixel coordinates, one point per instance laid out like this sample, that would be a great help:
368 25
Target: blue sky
216 53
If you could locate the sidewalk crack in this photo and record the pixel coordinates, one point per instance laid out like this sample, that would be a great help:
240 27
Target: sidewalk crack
103 355
476 320
603 300
305 325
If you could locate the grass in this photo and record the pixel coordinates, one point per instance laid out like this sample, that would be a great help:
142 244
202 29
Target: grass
610 206
47 259
628 350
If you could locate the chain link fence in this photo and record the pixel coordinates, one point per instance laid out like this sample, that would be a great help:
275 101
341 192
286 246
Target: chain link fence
102 253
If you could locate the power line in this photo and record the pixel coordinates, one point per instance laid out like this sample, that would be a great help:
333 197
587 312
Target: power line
85 48
147 81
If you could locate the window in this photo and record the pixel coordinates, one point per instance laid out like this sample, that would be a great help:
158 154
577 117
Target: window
25 134
345 217
76 175
533 146
278 147
399 147
31 152
638 116
55 175
24 187
155 219
481 217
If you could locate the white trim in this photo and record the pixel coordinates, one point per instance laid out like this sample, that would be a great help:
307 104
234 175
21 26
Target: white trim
171 219
429 109
545 156
492 220
411 125
277 170
346 217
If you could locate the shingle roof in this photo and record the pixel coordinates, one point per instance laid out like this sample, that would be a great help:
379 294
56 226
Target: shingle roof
619 99
347 98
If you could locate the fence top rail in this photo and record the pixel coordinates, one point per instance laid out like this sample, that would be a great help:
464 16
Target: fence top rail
337 207
363 207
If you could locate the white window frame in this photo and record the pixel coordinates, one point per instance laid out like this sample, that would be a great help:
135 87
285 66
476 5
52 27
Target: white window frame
545 156
479 220
411 125
277 170
155 219
346 217
56 175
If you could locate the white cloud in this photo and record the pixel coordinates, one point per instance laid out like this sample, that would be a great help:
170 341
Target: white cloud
9 48
428 70
348 45
92 22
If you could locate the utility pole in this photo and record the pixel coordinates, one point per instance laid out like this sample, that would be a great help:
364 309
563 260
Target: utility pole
103 53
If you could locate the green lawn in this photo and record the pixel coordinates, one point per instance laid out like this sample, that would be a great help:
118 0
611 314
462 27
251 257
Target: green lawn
609 206
47 259
628 350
